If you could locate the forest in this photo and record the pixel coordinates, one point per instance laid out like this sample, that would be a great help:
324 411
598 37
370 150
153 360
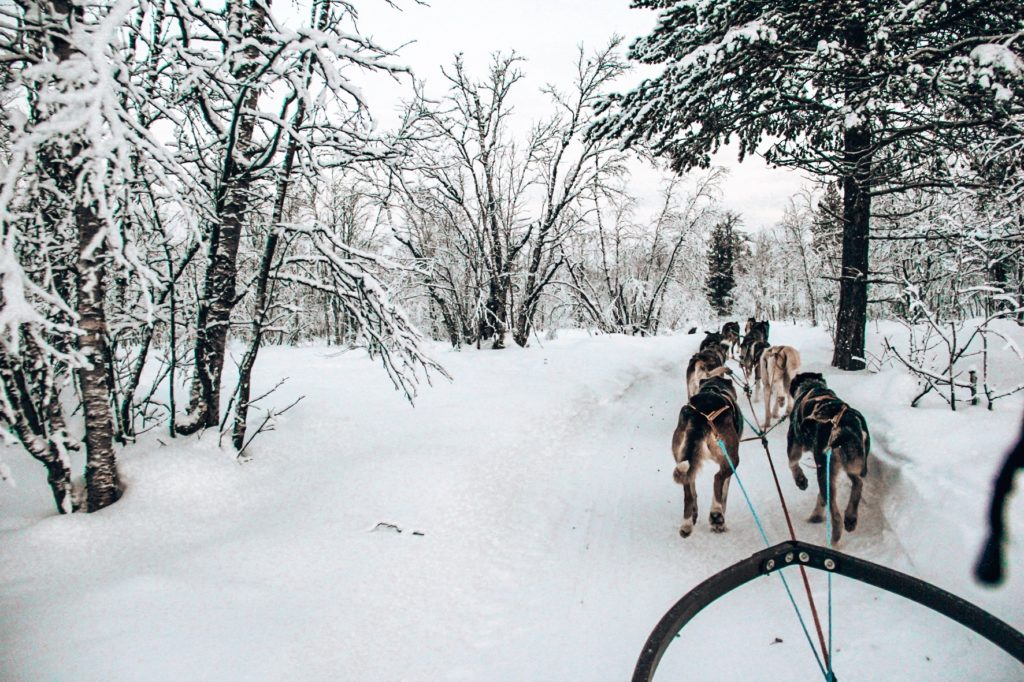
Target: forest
200 201
177 175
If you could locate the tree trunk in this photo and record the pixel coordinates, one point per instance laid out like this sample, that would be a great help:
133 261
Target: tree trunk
63 163
264 300
219 288
852 316
30 426
851 320
264 286
218 300
102 484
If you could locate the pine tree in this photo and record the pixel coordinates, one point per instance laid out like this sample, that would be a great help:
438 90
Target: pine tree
722 256
874 93
827 227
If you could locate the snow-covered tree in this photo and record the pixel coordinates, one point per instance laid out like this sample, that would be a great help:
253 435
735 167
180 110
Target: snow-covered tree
878 94
485 212
633 275
722 251
77 156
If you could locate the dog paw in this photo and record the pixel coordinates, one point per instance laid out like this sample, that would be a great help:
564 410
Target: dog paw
816 517
801 481
850 523
717 520
684 532
719 528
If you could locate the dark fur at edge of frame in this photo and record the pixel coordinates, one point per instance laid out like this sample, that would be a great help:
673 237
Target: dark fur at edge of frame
819 421
990 566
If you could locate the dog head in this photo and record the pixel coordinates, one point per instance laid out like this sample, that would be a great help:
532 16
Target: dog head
711 340
718 382
805 381
712 356
711 337
759 329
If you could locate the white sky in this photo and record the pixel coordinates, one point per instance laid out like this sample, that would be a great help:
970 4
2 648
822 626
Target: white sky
547 34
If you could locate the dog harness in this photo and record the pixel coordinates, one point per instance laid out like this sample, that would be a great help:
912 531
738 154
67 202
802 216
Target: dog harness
834 420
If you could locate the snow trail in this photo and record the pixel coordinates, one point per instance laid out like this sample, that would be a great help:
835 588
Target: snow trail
540 484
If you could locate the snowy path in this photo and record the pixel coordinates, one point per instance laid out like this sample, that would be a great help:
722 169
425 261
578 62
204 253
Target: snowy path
540 481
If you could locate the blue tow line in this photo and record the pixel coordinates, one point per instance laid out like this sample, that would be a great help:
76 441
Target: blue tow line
829 677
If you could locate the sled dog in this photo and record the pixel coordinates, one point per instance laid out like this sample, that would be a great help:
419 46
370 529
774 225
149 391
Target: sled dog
731 338
712 354
779 364
755 341
753 326
710 419
819 421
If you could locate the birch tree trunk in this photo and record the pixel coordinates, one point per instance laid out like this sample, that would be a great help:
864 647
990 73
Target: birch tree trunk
102 484
232 202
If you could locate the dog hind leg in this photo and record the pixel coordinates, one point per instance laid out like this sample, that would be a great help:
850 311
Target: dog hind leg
721 490
827 476
794 451
684 475
857 487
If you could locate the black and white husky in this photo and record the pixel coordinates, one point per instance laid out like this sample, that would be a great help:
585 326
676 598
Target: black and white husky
819 421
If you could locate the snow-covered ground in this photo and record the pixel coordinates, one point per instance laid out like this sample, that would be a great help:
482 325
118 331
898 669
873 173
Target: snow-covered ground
539 534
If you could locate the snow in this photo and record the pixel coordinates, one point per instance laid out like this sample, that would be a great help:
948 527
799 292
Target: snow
539 481
1000 56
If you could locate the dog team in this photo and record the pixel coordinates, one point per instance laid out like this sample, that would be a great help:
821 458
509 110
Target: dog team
711 424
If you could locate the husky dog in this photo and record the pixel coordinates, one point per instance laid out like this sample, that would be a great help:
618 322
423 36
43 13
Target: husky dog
819 421
750 361
756 327
779 364
711 355
709 358
708 421
755 342
731 338
714 340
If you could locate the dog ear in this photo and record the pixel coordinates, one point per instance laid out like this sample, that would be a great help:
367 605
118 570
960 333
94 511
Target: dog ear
794 385
803 378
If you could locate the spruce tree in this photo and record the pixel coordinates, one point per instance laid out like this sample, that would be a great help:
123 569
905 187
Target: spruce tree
722 252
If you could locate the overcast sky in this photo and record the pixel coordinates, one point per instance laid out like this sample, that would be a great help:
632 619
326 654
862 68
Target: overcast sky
546 33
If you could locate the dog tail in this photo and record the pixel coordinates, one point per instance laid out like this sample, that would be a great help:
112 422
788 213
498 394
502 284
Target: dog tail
691 371
791 370
686 440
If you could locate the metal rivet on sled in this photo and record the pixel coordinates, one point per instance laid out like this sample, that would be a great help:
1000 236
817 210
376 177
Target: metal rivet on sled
829 564
770 565
805 557
789 558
